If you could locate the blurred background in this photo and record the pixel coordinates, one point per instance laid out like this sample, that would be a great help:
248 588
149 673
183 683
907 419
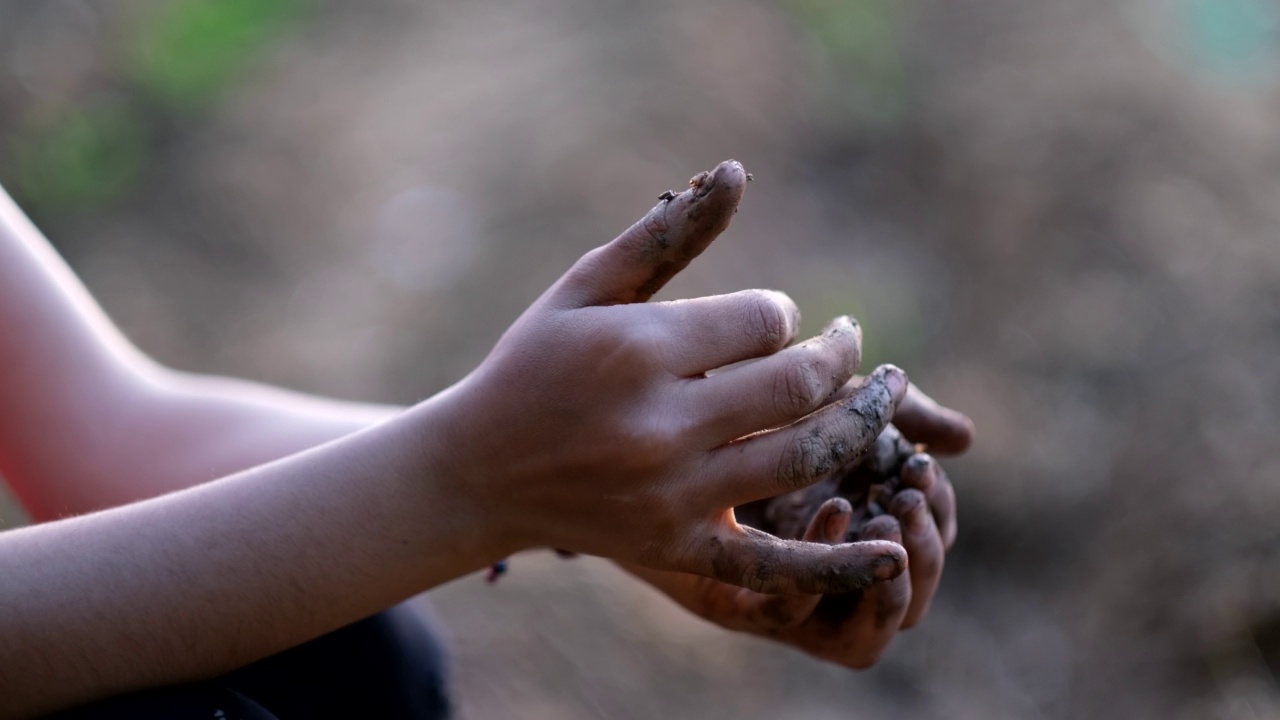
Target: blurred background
1061 216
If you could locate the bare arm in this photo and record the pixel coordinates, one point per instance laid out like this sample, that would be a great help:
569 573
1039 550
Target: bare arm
593 426
190 584
88 422
198 582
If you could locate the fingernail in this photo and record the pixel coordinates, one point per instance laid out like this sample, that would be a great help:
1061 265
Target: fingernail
894 379
838 521
907 504
891 564
915 472
838 325
918 463
704 182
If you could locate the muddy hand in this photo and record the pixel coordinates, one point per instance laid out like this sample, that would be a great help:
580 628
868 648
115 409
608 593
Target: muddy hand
593 425
923 420
853 631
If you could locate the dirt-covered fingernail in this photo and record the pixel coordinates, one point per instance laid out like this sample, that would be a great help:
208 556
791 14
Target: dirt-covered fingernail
896 380
843 331
863 564
873 404
837 524
908 504
919 463
841 324
917 472
729 171
890 564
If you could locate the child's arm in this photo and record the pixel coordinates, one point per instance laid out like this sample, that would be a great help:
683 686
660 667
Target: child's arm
591 427
88 422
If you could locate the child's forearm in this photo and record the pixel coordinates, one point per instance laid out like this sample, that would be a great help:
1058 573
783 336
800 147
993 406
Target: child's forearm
88 422
207 579
596 424
190 429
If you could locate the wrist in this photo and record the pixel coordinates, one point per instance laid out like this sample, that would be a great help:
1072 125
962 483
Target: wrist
451 488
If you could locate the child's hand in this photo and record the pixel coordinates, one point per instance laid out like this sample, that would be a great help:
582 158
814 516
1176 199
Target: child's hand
592 426
853 629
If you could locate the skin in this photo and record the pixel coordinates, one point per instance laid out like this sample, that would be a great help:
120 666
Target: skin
852 629
593 426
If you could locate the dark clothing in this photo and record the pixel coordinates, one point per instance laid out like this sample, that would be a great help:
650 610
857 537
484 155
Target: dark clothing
389 666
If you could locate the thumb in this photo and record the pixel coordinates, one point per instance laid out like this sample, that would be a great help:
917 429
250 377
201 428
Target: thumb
641 260
758 561
828 525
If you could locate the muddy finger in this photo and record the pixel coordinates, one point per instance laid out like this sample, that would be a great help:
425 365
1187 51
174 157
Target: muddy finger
921 538
779 389
924 473
829 526
643 258
803 453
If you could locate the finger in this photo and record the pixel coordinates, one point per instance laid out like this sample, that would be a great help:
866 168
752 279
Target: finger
798 455
781 388
758 561
828 526
925 474
922 420
711 332
878 614
923 542
643 258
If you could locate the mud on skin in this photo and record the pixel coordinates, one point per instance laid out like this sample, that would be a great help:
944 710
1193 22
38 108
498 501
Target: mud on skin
680 227
841 577
869 483
830 448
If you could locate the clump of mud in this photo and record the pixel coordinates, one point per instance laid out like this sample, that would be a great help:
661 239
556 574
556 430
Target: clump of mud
869 484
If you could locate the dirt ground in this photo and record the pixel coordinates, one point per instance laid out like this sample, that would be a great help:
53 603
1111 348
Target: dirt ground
1061 216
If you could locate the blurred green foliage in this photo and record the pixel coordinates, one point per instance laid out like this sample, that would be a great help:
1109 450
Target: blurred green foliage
86 157
190 49
177 61
859 71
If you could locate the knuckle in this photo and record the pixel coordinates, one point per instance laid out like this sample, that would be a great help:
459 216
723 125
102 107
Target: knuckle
770 323
593 257
631 349
873 405
761 575
657 232
810 458
587 268
748 562
649 443
800 388
865 416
